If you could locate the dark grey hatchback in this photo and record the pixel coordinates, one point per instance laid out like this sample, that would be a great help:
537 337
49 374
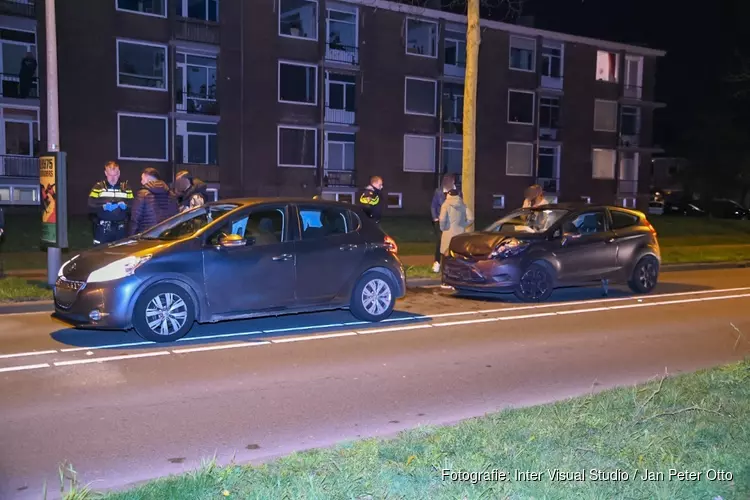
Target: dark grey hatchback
234 259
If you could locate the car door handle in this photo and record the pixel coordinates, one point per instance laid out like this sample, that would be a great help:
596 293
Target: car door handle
283 257
347 247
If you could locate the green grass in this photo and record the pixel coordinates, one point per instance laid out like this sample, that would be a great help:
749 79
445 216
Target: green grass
692 422
22 290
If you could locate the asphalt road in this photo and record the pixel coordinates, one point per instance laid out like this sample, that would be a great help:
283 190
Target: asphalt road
122 411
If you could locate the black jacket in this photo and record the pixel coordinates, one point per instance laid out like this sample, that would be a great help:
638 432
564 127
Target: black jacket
194 196
2 219
153 204
103 193
372 202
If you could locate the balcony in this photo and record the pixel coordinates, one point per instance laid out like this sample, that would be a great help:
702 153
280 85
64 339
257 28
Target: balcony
19 166
549 184
342 54
196 103
457 70
340 116
549 133
630 91
339 178
18 8
206 173
551 83
196 30
453 125
11 87
629 140
627 187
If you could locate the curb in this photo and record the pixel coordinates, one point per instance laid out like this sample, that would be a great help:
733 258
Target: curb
32 306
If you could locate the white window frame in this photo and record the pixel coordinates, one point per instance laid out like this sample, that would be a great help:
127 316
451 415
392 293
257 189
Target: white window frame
617 110
450 145
30 47
185 6
330 82
143 115
510 54
617 66
278 82
557 156
533 106
327 143
531 158
278 146
341 9
183 84
185 138
546 105
214 193
631 205
317 23
435 42
400 200
118 41
12 191
163 3
336 195
434 153
637 115
498 197
434 102
32 124
586 199
614 163
547 59
638 91
458 42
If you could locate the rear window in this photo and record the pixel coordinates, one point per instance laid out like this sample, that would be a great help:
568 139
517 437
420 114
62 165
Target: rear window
621 220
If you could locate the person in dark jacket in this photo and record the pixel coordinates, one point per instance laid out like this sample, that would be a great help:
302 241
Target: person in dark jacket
2 222
153 204
110 201
26 75
190 191
438 198
371 199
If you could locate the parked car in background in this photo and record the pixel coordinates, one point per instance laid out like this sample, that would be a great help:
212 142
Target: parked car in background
234 259
684 208
656 208
727 209
530 252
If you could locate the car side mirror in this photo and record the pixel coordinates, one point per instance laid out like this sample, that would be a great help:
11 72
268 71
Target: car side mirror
231 241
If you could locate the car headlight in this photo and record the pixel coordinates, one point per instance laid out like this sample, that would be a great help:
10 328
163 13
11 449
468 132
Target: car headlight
118 269
509 248
60 271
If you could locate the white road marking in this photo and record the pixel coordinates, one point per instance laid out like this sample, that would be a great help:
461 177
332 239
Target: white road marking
24 367
640 303
112 358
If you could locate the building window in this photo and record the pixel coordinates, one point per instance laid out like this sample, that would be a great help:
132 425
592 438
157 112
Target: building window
420 96
586 199
453 154
298 83
14 44
196 143
340 92
552 59
605 116
522 52
298 19
498 201
521 107
419 153
340 196
297 147
20 129
25 195
630 120
195 77
603 161
213 194
339 152
549 164
629 202
607 66
206 10
421 37
549 112
142 137
519 159
633 77
149 7
453 105
455 48
341 29
628 175
395 200
141 65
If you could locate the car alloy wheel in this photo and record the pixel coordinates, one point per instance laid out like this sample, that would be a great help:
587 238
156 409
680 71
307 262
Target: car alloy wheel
166 314
376 297
647 275
535 284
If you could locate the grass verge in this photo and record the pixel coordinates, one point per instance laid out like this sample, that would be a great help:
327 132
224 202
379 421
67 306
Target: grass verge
694 423
22 290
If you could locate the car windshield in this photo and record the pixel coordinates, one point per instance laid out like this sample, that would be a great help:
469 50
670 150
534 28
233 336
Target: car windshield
527 220
188 223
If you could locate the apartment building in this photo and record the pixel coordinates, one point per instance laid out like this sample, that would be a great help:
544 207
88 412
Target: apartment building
297 97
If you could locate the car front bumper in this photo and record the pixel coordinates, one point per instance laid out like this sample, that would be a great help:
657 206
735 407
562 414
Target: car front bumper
489 275
105 306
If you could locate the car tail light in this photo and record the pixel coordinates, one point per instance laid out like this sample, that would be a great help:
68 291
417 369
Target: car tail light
390 244
650 227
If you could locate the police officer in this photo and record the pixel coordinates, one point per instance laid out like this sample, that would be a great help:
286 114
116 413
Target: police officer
110 201
371 198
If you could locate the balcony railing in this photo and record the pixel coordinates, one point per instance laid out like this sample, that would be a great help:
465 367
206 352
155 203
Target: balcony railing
18 8
632 91
549 184
551 82
339 178
342 54
196 30
629 140
547 133
457 70
453 125
340 116
206 173
19 166
196 103
627 187
11 87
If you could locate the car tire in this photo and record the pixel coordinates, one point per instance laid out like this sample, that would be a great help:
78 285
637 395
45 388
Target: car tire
536 284
645 275
374 297
172 300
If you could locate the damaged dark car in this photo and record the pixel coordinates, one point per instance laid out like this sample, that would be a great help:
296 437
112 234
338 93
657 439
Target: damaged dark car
533 251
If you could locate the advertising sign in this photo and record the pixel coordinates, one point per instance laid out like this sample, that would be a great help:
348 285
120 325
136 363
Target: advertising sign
52 194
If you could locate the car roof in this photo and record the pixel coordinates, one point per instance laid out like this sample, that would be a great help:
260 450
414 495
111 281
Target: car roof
581 206
248 202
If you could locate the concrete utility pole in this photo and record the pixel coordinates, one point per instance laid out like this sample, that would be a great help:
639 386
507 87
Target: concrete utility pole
54 253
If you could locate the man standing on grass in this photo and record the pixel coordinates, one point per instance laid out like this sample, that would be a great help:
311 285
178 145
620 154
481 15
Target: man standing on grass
109 203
